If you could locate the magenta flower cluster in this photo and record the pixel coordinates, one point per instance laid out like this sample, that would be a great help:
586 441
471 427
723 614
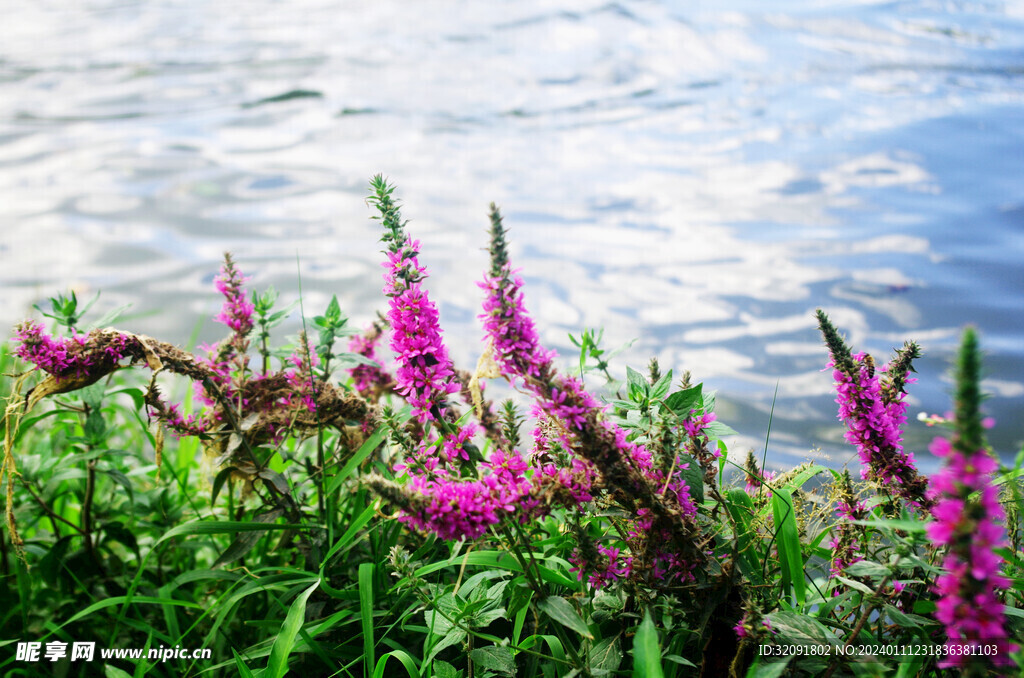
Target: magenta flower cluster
513 338
50 354
576 446
237 310
455 507
367 378
610 566
874 426
74 355
182 425
303 359
445 503
515 342
425 376
970 528
224 360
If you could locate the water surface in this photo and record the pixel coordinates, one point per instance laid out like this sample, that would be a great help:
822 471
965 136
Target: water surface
698 176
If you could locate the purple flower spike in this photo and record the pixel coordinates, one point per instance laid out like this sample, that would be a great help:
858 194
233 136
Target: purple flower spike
425 376
970 529
513 336
874 411
237 310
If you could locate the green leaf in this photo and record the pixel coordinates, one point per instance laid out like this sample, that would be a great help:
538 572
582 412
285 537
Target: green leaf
243 670
407 661
277 666
806 474
788 541
681 402
637 383
495 658
333 309
801 629
772 669
92 395
866 568
646 652
910 621
134 600
693 476
717 429
121 479
856 585
364 451
246 541
117 531
454 636
606 655
445 670
909 526
924 606
366 613
741 508
910 666
441 625
562 611
662 386
111 671
554 645
505 561
358 523
1013 612
682 661
219 480
206 527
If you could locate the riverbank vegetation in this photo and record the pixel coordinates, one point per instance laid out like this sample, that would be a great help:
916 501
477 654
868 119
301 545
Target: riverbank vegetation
352 503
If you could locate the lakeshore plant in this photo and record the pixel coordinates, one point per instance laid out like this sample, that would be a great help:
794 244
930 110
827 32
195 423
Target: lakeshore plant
374 511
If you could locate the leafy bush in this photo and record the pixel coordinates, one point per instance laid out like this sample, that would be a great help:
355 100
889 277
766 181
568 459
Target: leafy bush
357 519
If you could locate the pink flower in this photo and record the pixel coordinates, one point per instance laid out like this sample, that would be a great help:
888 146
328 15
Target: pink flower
874 419
970 529
425 376
610 456
368 378
237 310
77 354
513 336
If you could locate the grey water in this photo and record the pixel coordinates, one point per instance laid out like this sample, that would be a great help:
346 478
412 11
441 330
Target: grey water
696 176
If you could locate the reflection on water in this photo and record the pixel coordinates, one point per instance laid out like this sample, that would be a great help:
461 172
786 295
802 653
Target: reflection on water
701 179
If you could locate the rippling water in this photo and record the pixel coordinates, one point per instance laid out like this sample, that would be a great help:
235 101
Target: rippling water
701 177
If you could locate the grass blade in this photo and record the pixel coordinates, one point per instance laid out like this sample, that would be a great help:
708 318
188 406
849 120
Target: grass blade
222 527
407 661
277 666
788 540
366 613
364 451
357 524
243 670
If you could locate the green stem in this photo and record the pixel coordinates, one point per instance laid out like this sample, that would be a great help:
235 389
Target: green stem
90 491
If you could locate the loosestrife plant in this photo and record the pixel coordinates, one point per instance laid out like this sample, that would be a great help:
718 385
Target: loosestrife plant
566 531
968 525
871 403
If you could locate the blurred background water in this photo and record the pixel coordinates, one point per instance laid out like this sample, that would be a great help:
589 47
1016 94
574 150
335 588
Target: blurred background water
700 176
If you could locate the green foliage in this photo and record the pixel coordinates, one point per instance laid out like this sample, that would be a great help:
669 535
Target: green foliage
273 552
